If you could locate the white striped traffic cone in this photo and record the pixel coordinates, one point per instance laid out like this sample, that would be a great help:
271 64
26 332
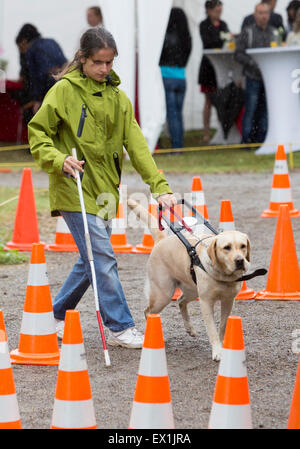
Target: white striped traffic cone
148 242
118 234
281 192
198 197
64 241
231 401
226 221
73 403
152 406
9 409
38 343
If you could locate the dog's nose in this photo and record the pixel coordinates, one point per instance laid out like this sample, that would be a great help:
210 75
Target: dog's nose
239 263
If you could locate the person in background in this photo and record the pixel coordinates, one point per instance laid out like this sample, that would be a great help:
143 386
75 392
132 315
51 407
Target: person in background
87 110
94 16
293 37
291 10
258 35
173 60
210 30
41 59
275 20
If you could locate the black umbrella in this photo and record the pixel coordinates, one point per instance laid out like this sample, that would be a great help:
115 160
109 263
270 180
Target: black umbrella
228 102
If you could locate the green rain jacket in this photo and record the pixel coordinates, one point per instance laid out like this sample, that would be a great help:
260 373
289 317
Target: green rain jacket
98 120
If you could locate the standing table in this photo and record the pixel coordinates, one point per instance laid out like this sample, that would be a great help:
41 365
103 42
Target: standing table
280 68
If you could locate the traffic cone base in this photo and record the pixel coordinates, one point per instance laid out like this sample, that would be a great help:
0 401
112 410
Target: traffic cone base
280 296
268 213
64 241
19 358
38 344
147 244
245 293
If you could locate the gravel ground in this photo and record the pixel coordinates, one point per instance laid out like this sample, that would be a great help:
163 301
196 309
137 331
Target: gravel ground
267 325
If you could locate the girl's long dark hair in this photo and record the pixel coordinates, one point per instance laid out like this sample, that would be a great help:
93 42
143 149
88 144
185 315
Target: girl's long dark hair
92 40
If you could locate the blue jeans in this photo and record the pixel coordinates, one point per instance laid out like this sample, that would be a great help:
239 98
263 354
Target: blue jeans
112 303
256 116
175 92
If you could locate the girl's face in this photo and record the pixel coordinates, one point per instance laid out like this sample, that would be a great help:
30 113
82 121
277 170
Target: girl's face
99 64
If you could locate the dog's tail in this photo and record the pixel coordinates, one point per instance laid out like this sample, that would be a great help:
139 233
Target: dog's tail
146 218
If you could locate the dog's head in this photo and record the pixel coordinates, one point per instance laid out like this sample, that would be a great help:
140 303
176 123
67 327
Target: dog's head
230 250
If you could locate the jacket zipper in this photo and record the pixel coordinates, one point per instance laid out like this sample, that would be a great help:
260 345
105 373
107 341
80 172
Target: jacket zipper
117 165
82 120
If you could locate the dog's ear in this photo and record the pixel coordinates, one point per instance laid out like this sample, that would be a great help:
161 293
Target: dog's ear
212 251
248 250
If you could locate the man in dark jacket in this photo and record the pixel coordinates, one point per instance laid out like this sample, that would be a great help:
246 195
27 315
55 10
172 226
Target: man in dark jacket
41 58
258 35
275 20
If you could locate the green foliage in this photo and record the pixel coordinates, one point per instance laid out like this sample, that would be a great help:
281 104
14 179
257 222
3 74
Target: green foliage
11 256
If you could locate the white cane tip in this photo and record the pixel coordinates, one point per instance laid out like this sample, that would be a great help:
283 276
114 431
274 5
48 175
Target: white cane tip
106 356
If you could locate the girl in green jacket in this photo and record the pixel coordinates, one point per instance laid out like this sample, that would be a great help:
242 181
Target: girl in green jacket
86 109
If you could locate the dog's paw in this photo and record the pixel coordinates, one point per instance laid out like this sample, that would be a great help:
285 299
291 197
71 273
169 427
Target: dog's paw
216 353
191 331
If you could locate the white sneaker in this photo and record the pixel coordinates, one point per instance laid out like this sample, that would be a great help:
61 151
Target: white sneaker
130 338
59 325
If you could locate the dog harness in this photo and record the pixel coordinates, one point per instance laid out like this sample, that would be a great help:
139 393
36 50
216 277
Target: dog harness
191 249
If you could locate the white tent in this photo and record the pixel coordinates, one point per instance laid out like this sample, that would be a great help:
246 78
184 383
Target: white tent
138 26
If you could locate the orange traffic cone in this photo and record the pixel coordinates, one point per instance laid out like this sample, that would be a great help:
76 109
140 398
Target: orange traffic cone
231 401
148 242
152 406
9 409
118 235
283 281
294 416
64 241
73 403
245 293
226 223
26 229
198 197
281 190
38 343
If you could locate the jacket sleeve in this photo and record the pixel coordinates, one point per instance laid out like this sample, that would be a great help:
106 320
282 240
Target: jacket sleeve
43 128
140 156
240 54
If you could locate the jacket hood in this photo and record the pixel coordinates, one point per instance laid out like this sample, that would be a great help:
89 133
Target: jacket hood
77 78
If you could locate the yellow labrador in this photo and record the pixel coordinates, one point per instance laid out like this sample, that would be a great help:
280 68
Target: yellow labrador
225 258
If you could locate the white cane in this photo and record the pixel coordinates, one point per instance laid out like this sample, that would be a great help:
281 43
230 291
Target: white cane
91 260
